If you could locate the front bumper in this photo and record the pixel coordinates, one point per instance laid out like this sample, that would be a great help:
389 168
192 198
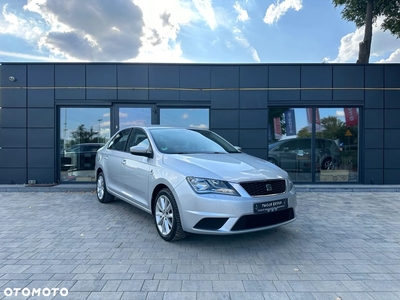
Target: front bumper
223 214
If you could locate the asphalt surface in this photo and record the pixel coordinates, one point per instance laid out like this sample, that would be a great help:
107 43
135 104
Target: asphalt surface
343 245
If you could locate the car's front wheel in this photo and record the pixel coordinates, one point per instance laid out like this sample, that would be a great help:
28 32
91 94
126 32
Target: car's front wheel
166 215
101 190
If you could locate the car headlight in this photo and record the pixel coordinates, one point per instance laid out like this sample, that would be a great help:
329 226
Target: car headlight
289 183
205 185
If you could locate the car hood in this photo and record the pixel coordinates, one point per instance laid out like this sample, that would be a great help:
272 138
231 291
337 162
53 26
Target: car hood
235 167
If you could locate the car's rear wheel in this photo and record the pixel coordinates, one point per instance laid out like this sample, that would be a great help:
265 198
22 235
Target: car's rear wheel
166 216
101 190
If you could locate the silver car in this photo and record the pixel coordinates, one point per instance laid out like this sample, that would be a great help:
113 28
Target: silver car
193 181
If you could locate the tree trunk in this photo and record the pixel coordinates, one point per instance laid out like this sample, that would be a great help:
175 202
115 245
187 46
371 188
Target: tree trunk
365 46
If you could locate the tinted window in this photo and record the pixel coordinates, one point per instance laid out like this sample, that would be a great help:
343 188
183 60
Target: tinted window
137 138
119 141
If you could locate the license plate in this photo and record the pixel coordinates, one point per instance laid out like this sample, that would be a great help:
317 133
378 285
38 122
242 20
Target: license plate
270 206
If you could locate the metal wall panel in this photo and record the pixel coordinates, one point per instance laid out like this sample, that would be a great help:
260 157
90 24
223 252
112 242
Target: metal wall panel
348 78
70 81
101 77
281 77
195 77
133 76
163 76
316 77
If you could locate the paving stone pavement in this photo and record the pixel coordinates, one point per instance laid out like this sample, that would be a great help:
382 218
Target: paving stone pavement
343 245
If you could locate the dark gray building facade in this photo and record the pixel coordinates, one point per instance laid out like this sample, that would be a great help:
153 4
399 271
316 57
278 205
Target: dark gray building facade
323 123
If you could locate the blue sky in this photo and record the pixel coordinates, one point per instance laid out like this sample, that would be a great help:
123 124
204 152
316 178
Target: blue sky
218 31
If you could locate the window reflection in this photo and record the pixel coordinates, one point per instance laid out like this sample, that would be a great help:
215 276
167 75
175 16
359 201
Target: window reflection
332 156
82 132
286 149
341 126
185 117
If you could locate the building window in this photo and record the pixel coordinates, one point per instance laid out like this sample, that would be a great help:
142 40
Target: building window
82 132
315 144
185 117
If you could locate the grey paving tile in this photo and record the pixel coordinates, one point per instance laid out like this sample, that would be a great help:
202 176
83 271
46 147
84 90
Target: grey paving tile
230 286
197 286
170 285
214 295
131 285
361 263
105 295
384 295
180 296
111 286
88 286
275 296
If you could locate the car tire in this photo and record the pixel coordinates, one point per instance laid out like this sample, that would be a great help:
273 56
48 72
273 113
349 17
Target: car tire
327 164
101 190
166 217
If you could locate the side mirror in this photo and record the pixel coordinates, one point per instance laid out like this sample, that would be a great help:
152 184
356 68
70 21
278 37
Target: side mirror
238 148
141 151
286 149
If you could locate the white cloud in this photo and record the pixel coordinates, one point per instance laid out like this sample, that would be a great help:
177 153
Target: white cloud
29 56
276 11
243 16
339 113
16 25
206 10
162 23
241 39
393 58
203 126
383 43
118 30
85 29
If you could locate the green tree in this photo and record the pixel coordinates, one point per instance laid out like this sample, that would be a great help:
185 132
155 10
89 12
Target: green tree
82 135
333 128
365 13
304 133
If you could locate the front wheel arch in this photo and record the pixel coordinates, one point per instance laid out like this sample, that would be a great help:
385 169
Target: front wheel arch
167 216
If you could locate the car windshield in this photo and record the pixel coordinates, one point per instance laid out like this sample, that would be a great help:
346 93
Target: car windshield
185 141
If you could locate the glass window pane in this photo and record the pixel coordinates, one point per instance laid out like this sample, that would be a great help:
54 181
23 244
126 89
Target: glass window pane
82 132
134 116
290 142
185 117
338 130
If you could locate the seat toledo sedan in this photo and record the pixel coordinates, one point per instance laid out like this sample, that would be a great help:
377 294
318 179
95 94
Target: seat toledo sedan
193 181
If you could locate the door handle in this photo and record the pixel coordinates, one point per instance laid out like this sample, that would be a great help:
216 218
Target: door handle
106 157
123 162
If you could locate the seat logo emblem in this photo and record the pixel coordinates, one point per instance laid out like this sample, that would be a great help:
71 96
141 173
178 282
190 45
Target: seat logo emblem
268 187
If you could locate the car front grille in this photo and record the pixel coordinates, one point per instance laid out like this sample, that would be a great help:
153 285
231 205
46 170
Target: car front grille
265 187
263 220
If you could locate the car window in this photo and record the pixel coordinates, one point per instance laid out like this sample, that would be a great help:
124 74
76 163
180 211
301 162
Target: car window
119 140
137 138
176 141
304 144
290 146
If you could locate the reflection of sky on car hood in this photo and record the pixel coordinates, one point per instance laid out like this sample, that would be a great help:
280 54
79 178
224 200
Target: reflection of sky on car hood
230 167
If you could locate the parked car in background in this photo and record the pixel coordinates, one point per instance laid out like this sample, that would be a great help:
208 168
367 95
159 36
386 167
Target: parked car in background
193 181
80 156
295 154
